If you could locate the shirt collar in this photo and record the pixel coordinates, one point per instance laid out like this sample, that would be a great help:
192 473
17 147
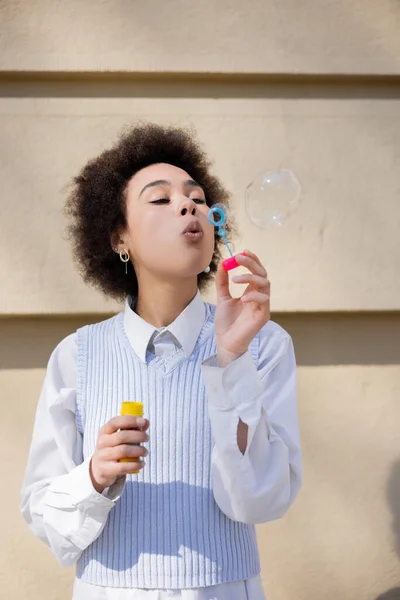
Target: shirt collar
186 327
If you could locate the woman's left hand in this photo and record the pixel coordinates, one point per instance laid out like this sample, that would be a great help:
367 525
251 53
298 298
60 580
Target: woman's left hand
238 320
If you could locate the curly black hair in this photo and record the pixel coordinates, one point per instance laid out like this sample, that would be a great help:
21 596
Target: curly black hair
96 205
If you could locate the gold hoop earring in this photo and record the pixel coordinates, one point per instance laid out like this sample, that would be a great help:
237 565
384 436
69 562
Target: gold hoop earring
124 257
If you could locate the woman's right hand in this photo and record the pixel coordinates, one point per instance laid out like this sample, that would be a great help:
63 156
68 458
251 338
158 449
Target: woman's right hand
113 443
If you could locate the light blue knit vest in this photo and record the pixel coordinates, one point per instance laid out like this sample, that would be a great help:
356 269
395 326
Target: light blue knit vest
166 531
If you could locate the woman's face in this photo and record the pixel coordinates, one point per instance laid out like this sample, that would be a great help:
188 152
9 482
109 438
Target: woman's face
168 233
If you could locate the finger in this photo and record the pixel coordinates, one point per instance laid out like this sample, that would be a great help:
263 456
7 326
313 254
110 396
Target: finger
254 296
123 422
253 264
260 283
222 283
126 436
122 436
128 468
252 255
141 423
127 451
145 426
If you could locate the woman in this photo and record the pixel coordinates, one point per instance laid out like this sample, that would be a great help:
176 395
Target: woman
217 383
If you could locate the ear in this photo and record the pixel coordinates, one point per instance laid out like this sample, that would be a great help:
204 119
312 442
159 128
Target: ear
116 241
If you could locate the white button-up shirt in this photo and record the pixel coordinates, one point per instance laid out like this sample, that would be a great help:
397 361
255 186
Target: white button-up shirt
63 509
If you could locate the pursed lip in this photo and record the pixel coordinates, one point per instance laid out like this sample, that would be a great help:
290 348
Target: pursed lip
193 227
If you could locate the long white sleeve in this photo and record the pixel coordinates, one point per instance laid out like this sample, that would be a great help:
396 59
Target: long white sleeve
260 485
58 500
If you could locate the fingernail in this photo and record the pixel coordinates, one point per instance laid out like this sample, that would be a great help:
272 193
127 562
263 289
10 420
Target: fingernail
141 421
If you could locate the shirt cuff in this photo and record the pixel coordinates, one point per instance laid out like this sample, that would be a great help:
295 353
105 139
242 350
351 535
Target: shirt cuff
237 386
114 492
79 487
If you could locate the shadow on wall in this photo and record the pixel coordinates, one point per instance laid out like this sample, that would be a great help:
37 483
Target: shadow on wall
393 594
319 339
393 496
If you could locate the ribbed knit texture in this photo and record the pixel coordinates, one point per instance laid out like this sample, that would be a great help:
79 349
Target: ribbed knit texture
166 531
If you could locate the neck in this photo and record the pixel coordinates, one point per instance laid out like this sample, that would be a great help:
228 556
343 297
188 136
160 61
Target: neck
160 303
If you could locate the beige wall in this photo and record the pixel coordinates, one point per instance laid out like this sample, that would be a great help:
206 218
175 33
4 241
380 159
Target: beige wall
314 86
279 36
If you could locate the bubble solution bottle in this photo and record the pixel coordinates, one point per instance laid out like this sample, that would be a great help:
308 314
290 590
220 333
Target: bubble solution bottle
132 409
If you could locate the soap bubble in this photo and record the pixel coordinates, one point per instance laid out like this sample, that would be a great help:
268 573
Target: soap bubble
271 197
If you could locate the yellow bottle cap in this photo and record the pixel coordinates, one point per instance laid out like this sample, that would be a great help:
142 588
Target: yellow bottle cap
132 409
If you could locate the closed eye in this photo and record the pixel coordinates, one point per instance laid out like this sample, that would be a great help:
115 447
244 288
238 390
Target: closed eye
166 201
160 201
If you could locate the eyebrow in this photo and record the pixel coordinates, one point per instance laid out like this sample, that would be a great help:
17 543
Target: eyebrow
188 183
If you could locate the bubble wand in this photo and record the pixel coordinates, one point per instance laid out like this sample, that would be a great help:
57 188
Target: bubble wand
217 217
